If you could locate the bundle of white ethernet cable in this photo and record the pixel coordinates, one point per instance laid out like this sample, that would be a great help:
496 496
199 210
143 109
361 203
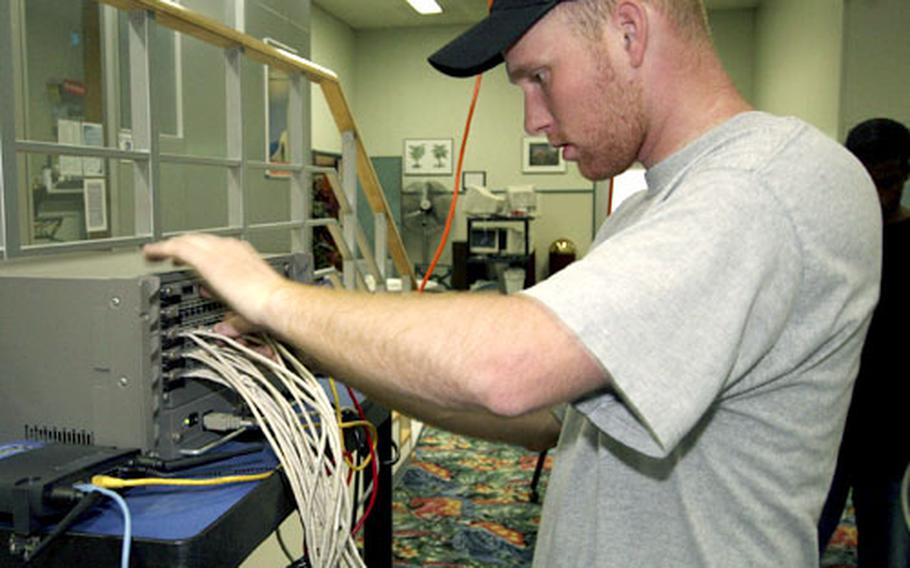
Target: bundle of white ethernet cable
300 425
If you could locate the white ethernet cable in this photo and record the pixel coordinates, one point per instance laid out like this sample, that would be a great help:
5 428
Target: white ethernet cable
300 425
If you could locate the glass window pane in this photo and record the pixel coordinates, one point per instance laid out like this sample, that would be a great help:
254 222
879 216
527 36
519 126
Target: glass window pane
204 101
276 241
277 96
193 197
267 196
64 206
165 74
63 70
277 88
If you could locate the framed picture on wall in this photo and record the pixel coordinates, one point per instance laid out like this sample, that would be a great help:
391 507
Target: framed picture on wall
473 178
539 157
427 157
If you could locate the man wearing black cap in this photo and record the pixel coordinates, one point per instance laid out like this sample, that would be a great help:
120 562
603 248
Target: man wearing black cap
699 358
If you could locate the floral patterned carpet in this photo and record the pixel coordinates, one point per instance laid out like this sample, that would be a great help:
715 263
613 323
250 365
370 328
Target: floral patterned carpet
465 502
841 551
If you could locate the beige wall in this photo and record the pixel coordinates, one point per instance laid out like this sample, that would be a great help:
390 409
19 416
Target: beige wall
398 95
798 60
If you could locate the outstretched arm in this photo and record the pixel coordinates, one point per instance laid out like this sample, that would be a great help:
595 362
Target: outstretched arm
488 355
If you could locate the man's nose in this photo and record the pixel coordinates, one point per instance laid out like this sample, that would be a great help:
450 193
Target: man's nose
538 119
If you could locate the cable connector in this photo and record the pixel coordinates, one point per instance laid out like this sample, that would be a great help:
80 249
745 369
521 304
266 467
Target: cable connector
65 494
225 422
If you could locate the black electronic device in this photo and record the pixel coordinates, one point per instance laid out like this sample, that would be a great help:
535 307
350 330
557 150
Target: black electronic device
36 479
92 352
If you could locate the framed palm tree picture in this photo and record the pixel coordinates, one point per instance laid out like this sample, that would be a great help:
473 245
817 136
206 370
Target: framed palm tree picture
427 157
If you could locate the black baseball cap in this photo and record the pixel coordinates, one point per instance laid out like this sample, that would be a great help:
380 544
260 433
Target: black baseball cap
480 48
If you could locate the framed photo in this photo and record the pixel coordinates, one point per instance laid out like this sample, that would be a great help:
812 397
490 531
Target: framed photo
538 157
473 178
427 157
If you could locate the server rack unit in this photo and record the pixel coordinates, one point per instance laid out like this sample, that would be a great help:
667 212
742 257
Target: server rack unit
89 353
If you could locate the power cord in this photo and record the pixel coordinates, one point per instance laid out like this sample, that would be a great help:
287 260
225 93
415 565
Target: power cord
284 547
87 501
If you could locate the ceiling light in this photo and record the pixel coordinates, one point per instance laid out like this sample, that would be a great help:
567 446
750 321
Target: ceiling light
425 6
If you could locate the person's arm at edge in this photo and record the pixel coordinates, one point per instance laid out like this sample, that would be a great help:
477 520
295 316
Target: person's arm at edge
505 356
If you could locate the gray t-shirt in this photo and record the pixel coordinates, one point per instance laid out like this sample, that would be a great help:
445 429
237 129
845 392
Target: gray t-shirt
728 304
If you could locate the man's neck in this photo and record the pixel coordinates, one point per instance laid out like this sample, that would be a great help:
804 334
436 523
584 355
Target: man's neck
686 102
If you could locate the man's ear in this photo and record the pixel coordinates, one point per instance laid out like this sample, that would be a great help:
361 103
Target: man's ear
631 17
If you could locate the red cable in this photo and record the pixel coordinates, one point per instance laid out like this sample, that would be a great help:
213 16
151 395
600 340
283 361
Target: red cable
374 462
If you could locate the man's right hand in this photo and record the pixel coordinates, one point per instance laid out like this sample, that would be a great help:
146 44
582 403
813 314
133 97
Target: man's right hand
233 271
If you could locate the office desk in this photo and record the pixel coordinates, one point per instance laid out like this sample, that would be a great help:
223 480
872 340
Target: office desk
207 526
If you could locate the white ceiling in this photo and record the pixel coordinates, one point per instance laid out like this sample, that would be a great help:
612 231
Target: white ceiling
365 14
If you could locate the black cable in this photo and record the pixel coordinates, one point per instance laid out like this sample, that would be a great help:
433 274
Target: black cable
356 497
284 547
396 453
146 465
87 502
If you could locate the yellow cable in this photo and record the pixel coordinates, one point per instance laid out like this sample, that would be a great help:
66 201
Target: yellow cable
374 435
342 425
117 483
337 407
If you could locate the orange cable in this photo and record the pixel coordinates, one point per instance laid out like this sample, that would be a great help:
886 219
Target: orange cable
457 185
455 190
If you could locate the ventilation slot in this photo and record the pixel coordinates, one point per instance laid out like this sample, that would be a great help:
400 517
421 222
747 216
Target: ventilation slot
59 435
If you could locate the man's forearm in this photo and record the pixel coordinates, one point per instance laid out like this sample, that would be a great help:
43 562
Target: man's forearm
537 430
466 352
387 344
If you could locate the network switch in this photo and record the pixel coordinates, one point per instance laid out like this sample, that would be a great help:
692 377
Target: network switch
90 352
